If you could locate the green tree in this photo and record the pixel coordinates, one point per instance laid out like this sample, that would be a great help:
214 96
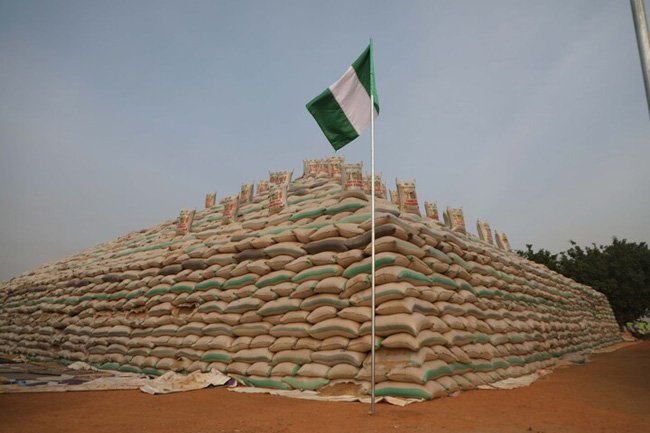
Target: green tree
545 257
620 270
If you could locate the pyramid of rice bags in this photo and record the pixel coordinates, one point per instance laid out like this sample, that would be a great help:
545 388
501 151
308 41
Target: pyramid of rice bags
272 286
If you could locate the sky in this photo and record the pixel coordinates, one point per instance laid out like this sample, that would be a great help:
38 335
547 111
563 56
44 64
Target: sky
115 115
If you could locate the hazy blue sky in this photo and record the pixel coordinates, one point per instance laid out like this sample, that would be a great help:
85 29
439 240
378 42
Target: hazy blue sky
116 114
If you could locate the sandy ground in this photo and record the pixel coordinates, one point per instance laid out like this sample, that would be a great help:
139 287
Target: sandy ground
610 394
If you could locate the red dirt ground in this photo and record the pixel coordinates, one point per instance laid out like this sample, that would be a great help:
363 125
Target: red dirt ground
611 394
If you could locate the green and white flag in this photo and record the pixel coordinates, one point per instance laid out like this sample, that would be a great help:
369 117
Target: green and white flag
343 110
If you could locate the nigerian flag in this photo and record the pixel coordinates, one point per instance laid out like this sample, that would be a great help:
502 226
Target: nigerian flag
343 109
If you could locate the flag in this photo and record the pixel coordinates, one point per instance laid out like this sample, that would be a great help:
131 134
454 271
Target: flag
343 110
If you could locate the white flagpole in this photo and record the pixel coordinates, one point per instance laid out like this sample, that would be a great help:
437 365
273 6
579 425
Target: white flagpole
372 255
643 40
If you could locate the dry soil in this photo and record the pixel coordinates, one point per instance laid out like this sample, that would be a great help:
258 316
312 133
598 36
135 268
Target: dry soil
610 394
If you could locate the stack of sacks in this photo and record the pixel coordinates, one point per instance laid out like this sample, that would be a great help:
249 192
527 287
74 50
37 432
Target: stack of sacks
273 288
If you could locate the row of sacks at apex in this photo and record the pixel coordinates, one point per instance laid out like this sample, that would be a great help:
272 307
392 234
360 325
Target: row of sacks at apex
351 177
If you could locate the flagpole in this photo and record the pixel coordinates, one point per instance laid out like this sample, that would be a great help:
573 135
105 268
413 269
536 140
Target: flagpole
643 41
372 254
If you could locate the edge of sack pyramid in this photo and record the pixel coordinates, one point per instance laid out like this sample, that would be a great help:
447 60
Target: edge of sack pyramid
313 204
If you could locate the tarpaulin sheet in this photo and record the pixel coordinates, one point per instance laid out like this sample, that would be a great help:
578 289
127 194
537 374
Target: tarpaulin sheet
174 382
313 395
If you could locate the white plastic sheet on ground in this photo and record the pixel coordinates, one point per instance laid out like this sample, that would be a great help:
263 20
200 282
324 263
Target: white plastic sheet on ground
79 365
78 376
100 384
174 382
516 382
313 395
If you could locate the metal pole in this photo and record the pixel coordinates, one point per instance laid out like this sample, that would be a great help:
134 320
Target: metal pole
372 254
643 40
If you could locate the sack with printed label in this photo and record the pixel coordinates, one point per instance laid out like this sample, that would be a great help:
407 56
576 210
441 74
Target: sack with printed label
484 231
310 167
456 219
431 210
246 193
210 199
277 198
335 164
394 198
380 189
262 187
352 176
323 168
280 177
502 240
230 209
185 219
408 199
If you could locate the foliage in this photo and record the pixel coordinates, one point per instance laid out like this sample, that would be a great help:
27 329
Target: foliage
545 257
620 270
